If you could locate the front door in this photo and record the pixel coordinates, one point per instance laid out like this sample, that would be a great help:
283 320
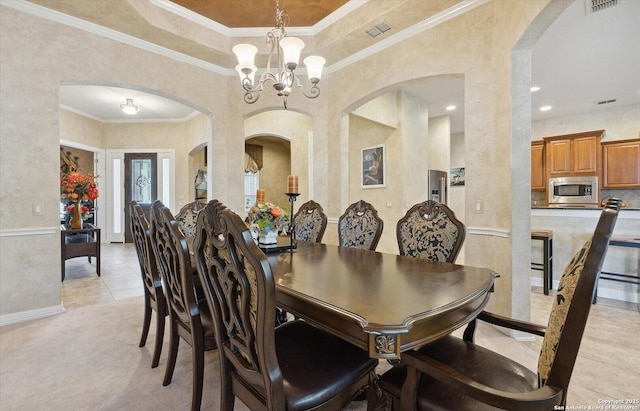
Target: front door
140 184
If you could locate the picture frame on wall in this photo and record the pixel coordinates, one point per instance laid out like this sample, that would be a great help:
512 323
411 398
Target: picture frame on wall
373 173
457 176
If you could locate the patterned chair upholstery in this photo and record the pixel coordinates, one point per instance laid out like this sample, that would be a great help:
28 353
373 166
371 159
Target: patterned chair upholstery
430 230
310 222
454 373
360 226
187 218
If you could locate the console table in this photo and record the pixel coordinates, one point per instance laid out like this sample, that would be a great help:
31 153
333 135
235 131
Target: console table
82 242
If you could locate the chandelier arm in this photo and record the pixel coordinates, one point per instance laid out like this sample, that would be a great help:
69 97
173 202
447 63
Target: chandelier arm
251 98
314 91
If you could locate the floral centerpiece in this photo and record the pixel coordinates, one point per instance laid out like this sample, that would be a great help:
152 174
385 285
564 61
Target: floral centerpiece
78 188
267 220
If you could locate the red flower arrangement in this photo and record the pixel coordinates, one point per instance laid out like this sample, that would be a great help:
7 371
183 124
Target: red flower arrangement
78 187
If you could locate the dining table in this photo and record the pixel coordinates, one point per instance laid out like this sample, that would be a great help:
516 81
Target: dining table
382 302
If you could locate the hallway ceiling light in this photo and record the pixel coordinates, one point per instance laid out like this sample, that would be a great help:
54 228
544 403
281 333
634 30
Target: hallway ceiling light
129 108
287 53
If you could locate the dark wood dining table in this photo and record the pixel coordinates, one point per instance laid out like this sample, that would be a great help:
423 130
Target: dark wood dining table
384 303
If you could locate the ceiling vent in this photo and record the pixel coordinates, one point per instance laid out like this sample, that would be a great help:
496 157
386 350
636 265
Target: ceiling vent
593 6
613 100
378 29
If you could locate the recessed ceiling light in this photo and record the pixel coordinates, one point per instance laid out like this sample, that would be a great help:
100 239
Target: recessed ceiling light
535 88
545 108
451 107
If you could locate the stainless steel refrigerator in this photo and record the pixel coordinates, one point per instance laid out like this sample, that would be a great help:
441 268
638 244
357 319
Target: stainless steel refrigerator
437 186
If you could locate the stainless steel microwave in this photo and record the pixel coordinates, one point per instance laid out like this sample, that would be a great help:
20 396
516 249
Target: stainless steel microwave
573 190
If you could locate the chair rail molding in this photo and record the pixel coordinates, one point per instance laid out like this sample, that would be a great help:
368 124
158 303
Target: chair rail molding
16 232
493 232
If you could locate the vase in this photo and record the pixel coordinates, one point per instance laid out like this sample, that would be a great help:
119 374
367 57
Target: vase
269 237
76 220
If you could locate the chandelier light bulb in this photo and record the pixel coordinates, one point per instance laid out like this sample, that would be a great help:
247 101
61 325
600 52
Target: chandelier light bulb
246 54
291 49
314 67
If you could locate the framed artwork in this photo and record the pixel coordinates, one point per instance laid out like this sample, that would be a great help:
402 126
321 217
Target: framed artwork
457 176
373 167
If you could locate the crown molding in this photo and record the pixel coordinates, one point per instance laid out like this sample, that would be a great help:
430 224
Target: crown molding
439 18
257 31
93 28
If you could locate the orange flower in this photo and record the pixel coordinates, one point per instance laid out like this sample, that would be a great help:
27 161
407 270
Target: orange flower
276 212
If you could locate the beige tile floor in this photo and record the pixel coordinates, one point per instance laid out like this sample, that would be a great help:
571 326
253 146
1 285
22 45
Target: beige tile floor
607 368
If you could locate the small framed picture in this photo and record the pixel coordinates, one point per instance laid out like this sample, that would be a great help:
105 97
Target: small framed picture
457 176
373 167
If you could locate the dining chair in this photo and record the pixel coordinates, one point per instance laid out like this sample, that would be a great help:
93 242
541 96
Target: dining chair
430 230
360 227
154 299
188 320
294 366
187 217
310 222
457 374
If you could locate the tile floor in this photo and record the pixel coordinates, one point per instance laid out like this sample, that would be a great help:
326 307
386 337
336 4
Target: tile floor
607 368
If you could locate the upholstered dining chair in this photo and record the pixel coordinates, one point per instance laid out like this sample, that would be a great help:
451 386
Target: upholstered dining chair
360 227
310 222
188 320
187 217
154 299
294 366
430 230
457 374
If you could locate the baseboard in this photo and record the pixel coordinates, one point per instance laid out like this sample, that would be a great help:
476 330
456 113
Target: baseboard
604 292
23 316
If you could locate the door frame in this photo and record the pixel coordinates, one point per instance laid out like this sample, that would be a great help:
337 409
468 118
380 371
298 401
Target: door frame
100 172
114 187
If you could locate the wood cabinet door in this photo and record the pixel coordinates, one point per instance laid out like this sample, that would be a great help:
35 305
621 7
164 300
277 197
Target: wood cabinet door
559 157
621 164
538 172
585 155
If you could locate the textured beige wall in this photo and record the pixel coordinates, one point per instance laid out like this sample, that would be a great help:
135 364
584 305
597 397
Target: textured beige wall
38 55
619 123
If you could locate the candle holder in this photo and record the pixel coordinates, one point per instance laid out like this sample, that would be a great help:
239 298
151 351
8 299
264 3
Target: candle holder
292 199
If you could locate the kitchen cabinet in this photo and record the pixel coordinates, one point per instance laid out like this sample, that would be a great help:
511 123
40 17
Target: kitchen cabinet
621 164
538 172
577 154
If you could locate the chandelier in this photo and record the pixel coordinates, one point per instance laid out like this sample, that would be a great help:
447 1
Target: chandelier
129 108
287 53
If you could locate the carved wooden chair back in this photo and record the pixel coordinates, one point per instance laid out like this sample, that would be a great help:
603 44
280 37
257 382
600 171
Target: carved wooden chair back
188 320
267 367
360 226
430 230
310 222
154 299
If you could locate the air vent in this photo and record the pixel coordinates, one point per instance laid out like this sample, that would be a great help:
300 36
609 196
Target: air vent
613 100
593 6
378 29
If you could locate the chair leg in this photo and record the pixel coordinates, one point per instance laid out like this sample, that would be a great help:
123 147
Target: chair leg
227 398
146 321
174 340
198 372
160 321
